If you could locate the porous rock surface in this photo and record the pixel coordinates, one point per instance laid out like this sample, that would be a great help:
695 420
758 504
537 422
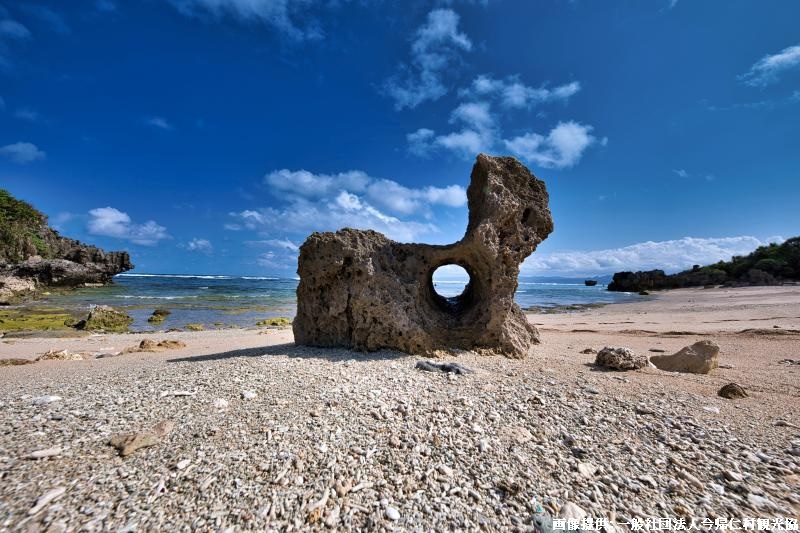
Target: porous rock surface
699 358
620 358
361 290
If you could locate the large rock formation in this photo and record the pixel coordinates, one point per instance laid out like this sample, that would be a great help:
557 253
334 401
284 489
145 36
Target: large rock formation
773 264
34 257
361 290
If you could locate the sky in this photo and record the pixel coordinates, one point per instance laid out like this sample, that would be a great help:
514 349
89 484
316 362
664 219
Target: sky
212 136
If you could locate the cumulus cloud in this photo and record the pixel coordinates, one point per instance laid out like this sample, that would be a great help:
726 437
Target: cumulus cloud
111 222
159 122
54 20
681 172
435 48
281 15
325 202
480 124
13 29
769 68
512 93
28 115
671 256
199 245
563 147
22 152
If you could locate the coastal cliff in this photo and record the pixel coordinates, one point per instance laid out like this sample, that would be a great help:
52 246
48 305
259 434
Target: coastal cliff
774 264
35 258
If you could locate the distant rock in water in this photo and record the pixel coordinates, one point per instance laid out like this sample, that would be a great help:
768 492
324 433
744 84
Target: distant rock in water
34 257
774 264
590 282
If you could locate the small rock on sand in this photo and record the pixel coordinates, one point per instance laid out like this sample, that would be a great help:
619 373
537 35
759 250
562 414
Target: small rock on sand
248 395
699 358
732 391
42 400
392 513
454 368
45 499
41 454
127 443
220 403
620 358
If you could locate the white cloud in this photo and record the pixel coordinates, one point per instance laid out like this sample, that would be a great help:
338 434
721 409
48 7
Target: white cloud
284 244
281 15
513 94
27 114
105 6
419 142
48 16
327 202
159 122
768 69
671 256
22 152
199 245
13 29
476 115
111 222
681 172
561 148
435 49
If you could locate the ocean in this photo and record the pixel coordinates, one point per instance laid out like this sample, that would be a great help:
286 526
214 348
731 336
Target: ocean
220 301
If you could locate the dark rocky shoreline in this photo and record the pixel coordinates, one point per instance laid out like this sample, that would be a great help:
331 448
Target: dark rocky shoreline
35 258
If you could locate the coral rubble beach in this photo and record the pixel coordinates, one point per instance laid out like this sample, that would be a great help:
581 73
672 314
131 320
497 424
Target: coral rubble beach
242 429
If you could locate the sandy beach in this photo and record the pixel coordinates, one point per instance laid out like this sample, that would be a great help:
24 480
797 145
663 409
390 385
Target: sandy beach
268 435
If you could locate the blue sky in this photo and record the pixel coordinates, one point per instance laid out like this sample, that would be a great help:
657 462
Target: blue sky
211 136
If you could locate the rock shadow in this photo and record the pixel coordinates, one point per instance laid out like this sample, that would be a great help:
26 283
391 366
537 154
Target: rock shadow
293 350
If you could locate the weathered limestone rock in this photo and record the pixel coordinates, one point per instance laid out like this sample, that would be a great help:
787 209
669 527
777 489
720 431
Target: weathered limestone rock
699 358
619 358
732 391
108 319
361 290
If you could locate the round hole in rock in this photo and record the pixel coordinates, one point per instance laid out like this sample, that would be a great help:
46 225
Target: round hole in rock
449 281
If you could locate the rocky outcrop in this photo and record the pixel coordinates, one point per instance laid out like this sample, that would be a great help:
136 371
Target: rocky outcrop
361 290
34 257
699 358
768 265
619 358
107 319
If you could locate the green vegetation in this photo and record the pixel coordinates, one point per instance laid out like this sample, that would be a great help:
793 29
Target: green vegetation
279 322
18 320
195 327
780 261
20 230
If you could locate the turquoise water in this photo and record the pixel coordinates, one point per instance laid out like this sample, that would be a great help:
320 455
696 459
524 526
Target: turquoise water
242 300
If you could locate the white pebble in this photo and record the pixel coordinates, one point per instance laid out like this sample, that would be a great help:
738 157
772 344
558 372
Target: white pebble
392 513
249 395
41 400
183 464
220 403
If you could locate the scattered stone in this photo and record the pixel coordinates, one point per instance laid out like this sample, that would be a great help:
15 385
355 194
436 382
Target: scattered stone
46 499
60 355
177 393
572 511
588 350
220 403
41 454
789 362
358 289
183 464
105 318
275 322
15 361
127 443
455 368
195 327
41 400
587 470
149 345
159 315
711 409
620 358
657 350
249 395
732 391
699 358
392 513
